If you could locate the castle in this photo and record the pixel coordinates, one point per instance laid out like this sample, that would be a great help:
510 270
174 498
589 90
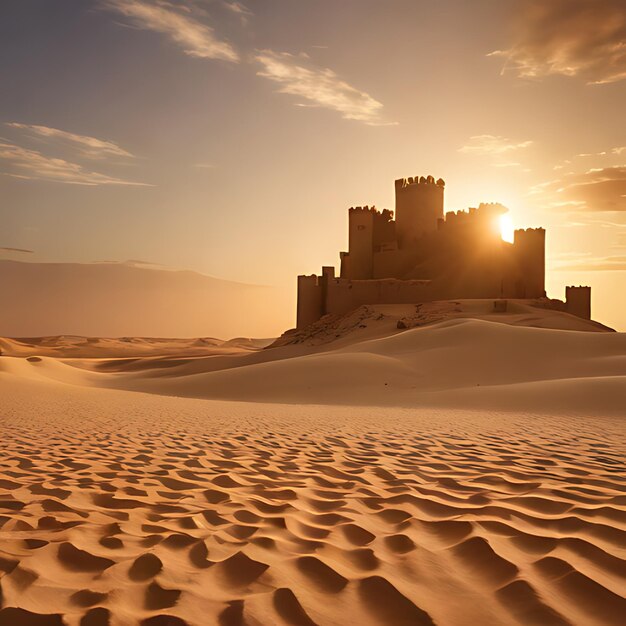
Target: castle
423 255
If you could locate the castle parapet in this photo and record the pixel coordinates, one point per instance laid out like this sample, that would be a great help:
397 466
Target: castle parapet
386 214
402 183
478 216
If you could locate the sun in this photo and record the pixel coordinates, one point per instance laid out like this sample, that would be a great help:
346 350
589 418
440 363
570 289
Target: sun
506 227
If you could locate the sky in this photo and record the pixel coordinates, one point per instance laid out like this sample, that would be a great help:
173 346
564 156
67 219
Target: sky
230 137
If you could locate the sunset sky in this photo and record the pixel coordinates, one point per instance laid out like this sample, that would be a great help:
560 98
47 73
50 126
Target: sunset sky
230 137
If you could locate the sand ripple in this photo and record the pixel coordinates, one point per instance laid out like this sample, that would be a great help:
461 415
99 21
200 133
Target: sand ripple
157 514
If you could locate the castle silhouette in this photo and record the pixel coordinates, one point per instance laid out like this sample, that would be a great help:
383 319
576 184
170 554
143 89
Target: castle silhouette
424 255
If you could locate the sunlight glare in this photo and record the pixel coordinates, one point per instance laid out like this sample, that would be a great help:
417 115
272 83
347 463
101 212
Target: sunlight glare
506 228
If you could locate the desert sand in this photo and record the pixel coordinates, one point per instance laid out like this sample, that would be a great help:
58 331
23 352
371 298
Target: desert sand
463 470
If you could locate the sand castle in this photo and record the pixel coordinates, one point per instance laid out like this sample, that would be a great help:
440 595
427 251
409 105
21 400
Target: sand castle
423 255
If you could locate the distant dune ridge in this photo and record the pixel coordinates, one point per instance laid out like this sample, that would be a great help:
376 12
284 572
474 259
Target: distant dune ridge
118 299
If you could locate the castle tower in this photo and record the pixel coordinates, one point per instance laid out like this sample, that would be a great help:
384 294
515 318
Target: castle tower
358 263
419 206
530 256
578 301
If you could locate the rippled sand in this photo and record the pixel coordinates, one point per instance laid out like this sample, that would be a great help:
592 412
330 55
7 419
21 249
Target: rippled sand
119 507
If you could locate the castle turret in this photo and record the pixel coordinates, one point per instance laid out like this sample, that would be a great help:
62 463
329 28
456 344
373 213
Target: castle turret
358 263
530 257
578 301
419 206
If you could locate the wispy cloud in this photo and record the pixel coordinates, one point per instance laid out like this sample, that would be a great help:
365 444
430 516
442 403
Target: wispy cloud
179 25
319 87
239 9
585 38
597 189
184 24
492 144
604 156
88 146
20 250
33 165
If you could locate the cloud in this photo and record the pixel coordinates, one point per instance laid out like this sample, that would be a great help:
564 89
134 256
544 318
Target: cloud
33 165
601 156
492 144
598 189
585 38
240 10
89 146
138 263
601 189
21 250
319 87
195 38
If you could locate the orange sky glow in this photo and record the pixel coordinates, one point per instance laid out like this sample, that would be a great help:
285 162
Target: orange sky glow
230 138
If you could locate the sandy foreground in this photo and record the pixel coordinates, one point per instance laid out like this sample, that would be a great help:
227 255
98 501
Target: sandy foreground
354 485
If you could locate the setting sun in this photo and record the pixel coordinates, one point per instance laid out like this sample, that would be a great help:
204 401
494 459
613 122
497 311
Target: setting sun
506 228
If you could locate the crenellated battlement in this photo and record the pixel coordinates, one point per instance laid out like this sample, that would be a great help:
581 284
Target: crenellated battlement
529 232
364 209
312 280
359 210
402 183
485 210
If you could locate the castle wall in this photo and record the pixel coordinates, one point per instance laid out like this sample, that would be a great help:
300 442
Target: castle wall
394 263
530 256
578 301
346 295
384 229
310 300
419 205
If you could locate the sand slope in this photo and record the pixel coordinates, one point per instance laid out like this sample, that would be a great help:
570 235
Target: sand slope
455 363
458 363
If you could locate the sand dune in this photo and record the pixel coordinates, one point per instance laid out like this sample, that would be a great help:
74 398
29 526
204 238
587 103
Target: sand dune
71 347
349 488
457 363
